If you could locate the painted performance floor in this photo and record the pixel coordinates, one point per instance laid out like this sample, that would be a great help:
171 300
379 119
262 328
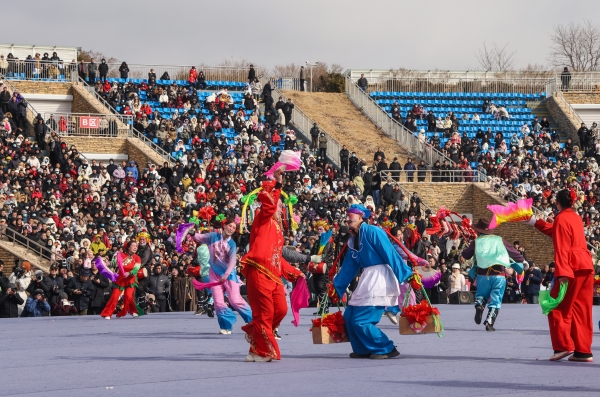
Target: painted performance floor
177 354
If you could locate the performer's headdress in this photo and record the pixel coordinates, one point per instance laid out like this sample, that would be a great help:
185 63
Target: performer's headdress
387 224
142 235
321 223
360 210
482 226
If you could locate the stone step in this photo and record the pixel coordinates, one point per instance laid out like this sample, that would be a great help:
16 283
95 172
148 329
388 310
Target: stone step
18 251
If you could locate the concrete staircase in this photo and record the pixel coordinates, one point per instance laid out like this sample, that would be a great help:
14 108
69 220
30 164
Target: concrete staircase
11 251
540 111
348 125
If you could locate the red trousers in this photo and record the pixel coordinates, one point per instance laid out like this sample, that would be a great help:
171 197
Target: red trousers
269 307
570 323
128 302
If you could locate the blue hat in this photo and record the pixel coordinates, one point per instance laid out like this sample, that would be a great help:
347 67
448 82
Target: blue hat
359 209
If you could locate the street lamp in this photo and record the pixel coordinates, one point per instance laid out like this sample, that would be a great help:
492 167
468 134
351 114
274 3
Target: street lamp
311 68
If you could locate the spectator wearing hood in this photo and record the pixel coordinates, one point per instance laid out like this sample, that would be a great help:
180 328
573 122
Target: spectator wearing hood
36 305
10 301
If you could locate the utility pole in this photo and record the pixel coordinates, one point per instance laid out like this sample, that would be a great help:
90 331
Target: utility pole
311 68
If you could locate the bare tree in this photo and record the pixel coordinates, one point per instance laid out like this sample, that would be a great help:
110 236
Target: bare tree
495 58
576 46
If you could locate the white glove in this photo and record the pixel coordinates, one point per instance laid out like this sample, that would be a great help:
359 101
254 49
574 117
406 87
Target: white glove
315 258
531 221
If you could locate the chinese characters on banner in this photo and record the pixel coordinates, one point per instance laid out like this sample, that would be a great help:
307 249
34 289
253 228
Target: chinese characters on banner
88 122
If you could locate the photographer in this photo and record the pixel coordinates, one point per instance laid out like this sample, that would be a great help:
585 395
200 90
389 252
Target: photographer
57 285
39 281
99 284
64 307
10 301
80 289
159 285
21 277
36 305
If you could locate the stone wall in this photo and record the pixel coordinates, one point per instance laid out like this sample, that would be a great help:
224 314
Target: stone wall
473 198
559 110
538 246
114 145
39 87
9 261
582 97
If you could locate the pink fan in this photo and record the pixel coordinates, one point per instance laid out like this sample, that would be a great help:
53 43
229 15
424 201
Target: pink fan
290 159
511 212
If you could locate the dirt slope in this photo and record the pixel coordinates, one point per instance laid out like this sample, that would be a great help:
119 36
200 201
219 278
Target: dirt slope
342 120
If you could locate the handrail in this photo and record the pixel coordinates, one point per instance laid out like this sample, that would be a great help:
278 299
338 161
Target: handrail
571 112
391 127
428 175
18 238
13 88
305 123
160 151
132 131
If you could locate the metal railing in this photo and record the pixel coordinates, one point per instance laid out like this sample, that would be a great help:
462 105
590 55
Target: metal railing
13 89
473 81
175 72
89 124
391 127
430 175
524 86
17 238
132 132
567 108
305 123
56 71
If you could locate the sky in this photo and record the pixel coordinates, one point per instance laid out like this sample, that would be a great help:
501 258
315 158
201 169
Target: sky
375 34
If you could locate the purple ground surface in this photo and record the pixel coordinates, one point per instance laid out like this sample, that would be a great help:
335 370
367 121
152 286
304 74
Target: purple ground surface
175 354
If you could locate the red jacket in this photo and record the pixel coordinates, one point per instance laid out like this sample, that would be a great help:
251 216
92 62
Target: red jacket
129 263
570 247
266 239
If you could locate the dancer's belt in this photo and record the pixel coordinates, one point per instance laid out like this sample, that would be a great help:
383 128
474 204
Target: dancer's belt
496 270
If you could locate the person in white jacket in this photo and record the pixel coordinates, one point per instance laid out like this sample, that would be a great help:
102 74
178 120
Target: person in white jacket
190 196
21 278
457 280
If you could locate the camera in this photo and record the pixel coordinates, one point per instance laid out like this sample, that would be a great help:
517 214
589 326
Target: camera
19 272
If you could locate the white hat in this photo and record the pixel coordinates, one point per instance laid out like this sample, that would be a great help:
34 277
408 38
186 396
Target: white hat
456 266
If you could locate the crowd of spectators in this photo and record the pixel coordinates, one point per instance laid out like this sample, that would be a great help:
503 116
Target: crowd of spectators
78 209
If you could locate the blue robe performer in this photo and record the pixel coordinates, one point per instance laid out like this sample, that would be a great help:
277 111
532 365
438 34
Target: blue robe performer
492 256
383 269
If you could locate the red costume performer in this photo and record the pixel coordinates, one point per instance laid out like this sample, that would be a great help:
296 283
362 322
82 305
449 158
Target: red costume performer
264 267
126 284
570 323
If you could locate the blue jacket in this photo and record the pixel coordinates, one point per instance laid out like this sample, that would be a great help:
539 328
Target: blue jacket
134 171
374 248
34 308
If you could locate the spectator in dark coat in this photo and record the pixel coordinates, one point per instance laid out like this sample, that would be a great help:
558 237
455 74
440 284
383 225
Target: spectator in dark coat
531 284
159 285
99 284
80 290
57 285
410 167
103 70
10 301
